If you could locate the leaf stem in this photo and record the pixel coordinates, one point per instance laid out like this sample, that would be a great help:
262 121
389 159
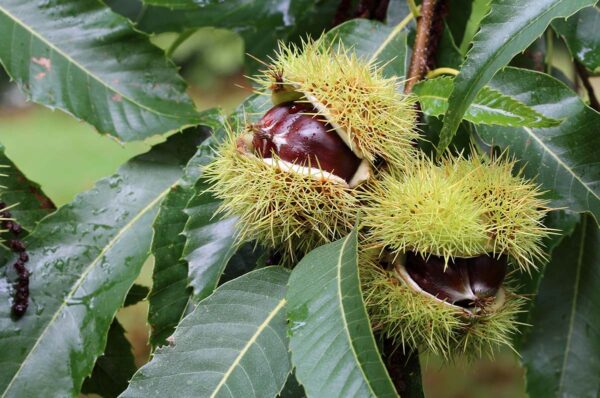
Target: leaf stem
414 8
441 71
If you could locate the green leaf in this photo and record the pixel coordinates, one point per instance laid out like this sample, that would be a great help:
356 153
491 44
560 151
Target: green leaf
114 368
83 260
248 257
31 203
80 57
457 18
582 36
565 222
563 159
447 53
509 28
136 294
562 353
489 107
376 42
170 293
233 344
260 23
333 348
210 239
478 10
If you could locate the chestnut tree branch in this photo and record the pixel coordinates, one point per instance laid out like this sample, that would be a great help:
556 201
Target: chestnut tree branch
418 62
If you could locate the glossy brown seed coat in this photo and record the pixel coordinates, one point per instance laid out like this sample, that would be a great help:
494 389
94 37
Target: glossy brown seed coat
465 282
295 134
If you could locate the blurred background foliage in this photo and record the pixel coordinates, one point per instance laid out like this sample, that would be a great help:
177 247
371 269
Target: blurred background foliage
66 157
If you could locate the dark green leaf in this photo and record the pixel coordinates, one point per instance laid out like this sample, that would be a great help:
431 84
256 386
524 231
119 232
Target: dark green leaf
562 353
507 30
582 36
83 261
170 292
136 294
563 159
376 42
234 344
448 55
564 222
210 239
114 368
478 10
489 106
333 348
80 57
16 189
260 23
247 258
458 17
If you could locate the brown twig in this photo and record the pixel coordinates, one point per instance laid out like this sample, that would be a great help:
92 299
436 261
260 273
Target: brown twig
585 80
418 62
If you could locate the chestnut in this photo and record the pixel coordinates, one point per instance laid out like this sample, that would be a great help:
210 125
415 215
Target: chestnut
465 282
295 133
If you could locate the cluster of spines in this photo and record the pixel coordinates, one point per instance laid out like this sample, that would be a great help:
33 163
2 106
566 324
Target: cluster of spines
319 210
514 207
413 319
419 210
350 93
459 208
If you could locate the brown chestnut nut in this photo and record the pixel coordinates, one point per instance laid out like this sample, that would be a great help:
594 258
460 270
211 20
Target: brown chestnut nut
465 282
293 132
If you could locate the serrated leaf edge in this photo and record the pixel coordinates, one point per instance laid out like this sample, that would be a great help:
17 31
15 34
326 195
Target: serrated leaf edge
448 132
559 161
81 279
342 306
573 306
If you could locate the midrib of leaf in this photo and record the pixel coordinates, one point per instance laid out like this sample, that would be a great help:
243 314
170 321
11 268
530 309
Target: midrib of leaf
558 160
510 40
83 68
249 344
81 279
395 32
573 305
477 106
344 320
